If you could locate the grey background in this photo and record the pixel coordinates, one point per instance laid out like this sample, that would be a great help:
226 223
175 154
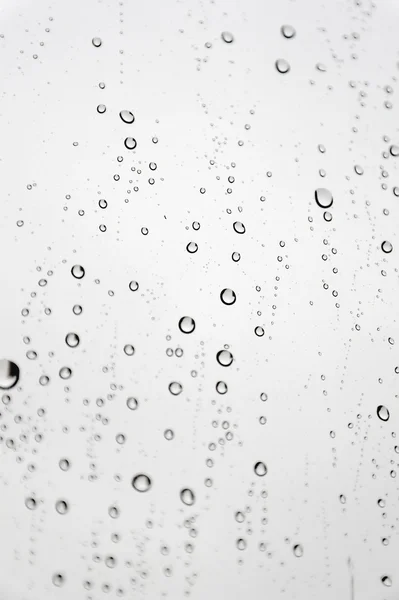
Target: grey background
197 101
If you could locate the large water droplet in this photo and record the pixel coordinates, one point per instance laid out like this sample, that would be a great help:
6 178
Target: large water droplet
72 340
382 412
132 403
239 227
192 247
298 550
61 506
141 482
260 469
386 580
96 41
187 496
130 143
58 580
65 373
224 358
175 388
221 387
129 350
78 271
241 544
127 116
9 374
288 31
323 197
282 65
386 247
227 37
228 296
186 325
394 150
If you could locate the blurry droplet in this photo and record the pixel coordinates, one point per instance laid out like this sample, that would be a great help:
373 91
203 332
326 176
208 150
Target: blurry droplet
187 496
387 581
9 374
141 483
168 434
288 31
227 37
282 65
78 271
298 550
132 403
221 387
241 544
30 503
64 464
96 41
61 506
58 580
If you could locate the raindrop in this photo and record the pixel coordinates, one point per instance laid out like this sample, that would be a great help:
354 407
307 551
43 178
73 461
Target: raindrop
30 503
169 434
323 197
130 143
260 469
101 108
187 496
386 247
327 216
387 581
58 580
382 412
9 374
132 403
64 464
241 544
227 37
133 286
61 507
394 150
282 65
175 388
288 31
359 170
72 340
186 325
221 387
127 116
129 350
239 227
77 309
239 517
259 331
192 247
65 373
78 271
224 358
228 296
297 550
141 482
96 41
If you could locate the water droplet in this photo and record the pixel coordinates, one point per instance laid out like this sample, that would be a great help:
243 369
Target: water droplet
282 65
132 403
239 517
9 374
228 296
239 227
187 496
72 340
327 216
58 579
227 37
30 503
133 286
78 271
130 143
236 256
61 506
221 387
259 331
101 108
394 150
65 373
129 350
386 247
127 116
224 358
186 325
64 464
169 434
141 482
382 412
96 41
387 581
77 309
323 197
359 170
297 550
175 388
241 544
288 31
260 469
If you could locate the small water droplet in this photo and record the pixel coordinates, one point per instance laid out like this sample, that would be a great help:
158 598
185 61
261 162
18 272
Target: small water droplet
65 373
72 340
282 65
175 388
141 482
239 227
386 580
224 358
227 37
132 403
394 150
323 197
9 374
382 412
228 296
61 506
130 143
386 247
186 325
127 116
288 31
221 387
96 41
187 496
78 271
260 469
297 550
129 350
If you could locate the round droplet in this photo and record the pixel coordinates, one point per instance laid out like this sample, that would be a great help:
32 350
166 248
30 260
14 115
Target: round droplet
127 116
30 503
192 247
141 482
228 296
186 325
175 388
133 286
259 331
387 581
64 464
187 496
101 108
224 358
297 550
239 227
132 403
260 469
239 517
241 544
96 41
323 197
359 170
282 65
327 216
236 256
288 31
382 412
78 271
61 506
129 350
72 340
9 374
394 150
65 373
130 143
227 37
386 247
77 309
221 387
58 579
